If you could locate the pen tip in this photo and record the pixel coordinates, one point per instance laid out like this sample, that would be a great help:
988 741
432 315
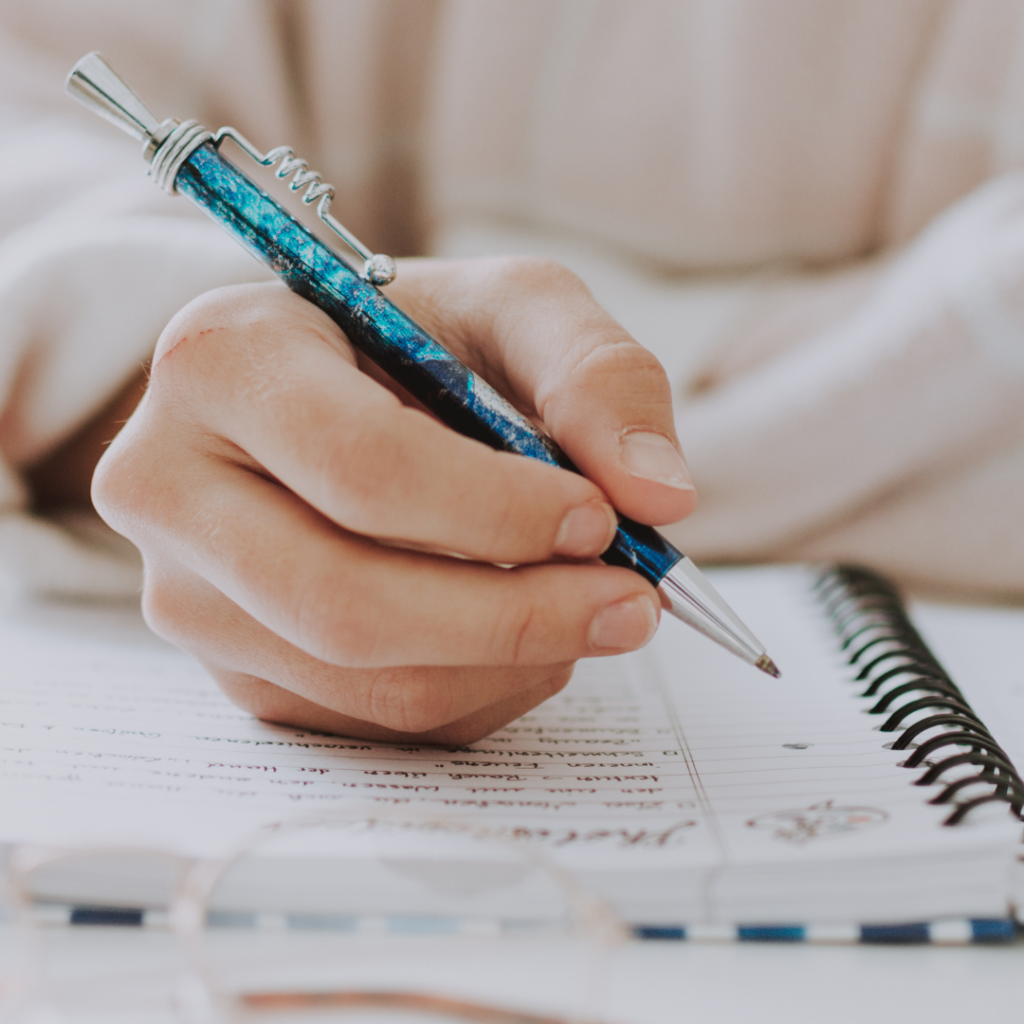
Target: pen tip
765 664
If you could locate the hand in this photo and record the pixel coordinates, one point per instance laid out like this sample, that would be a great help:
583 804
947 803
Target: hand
297 514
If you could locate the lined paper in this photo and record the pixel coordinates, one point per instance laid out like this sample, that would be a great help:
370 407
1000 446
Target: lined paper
677 760
124 739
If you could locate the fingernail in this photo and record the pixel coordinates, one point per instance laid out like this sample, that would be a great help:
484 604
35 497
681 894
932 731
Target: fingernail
586 531
654 457
624 626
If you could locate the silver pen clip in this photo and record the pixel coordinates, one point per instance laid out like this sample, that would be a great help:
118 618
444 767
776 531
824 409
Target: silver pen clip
168 144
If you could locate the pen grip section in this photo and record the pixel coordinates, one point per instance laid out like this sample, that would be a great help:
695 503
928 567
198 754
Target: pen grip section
395 342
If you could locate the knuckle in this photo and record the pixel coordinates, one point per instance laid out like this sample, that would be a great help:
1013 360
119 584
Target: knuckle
238 307
113 485
123 485
167 610
409 701
619 357
195 319
233 333
535 273
614 366
514 632
191 354
509 522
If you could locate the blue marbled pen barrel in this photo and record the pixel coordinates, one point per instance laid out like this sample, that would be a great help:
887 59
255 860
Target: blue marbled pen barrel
397 344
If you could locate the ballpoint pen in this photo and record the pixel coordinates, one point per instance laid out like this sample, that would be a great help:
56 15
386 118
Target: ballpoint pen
185 158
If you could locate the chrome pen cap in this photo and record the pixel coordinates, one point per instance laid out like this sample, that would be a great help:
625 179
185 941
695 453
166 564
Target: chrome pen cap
166 144
94 82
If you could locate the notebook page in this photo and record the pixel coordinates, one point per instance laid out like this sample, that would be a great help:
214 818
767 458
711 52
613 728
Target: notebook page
110 736
760 745
677 764
793 774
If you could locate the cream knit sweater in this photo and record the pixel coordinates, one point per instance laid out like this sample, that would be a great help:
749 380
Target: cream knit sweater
813 213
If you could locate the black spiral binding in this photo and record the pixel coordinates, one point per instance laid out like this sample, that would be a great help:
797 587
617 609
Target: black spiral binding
902 678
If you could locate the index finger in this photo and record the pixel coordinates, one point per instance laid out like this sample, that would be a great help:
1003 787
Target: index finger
534 331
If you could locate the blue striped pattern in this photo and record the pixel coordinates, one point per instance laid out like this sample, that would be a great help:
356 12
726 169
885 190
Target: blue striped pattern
975 930
115 916
994 930
780 933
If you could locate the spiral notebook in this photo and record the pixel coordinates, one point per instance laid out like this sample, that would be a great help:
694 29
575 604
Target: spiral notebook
696 795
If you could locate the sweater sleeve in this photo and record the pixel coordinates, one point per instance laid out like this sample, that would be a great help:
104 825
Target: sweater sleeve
94 261
893 435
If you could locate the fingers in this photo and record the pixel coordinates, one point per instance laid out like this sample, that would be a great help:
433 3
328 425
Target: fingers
350 449
274 704
347 600
278 682
262 465
535 332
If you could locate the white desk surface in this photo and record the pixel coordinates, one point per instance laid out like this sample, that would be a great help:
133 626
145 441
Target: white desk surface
744 983
658 982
